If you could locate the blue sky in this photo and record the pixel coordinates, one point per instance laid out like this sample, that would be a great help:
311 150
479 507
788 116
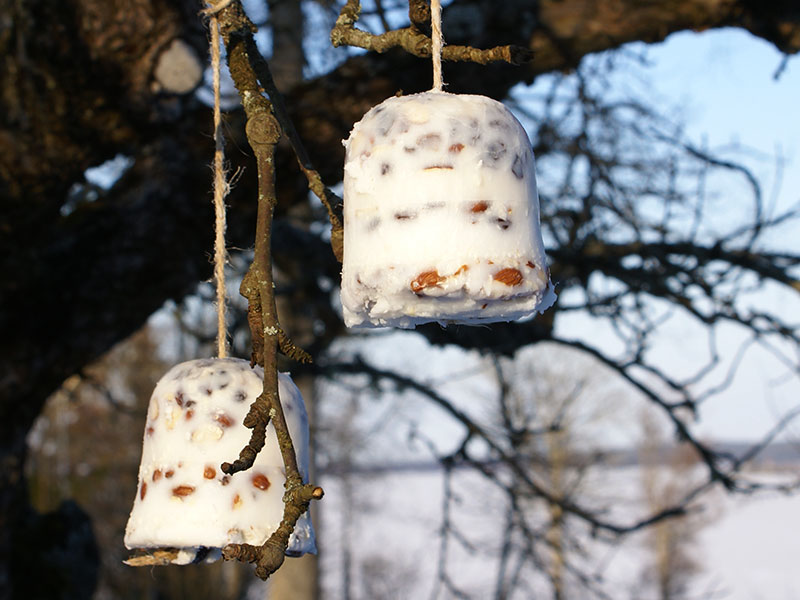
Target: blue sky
721 85
724 82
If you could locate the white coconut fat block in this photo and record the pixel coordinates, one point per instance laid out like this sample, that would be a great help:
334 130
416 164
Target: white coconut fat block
184 501
441 215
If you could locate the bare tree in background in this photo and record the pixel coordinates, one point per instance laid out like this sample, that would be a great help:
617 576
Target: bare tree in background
553 404
667 473
629 223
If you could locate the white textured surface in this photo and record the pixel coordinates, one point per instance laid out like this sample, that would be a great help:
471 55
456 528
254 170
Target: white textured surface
194 423
441 215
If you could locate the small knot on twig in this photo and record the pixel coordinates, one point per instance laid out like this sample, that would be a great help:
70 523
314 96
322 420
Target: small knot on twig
263 129
520 55
419 13
243 552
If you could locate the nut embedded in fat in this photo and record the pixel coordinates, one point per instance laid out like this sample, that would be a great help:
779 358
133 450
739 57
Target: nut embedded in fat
441 215
185 506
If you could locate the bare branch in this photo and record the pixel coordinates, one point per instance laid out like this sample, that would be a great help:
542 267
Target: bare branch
415 42
263 133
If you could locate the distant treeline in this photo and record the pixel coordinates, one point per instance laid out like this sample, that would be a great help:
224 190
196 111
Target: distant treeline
776 455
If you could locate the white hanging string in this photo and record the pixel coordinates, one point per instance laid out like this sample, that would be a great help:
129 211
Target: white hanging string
437 41
220 186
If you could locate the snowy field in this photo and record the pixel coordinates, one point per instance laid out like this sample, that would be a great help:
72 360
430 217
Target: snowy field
379 539
753 551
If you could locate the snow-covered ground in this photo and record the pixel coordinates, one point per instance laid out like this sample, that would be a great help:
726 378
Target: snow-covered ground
380 538
752 552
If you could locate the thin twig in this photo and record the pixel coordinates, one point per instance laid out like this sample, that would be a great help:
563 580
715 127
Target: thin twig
263 132
331 202
410 39
358 365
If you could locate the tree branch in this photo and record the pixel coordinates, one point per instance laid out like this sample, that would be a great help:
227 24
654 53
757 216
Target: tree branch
359 366
413 41
331 202
263 133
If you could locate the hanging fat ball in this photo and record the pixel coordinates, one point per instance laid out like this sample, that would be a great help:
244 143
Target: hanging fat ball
186 509
441 215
